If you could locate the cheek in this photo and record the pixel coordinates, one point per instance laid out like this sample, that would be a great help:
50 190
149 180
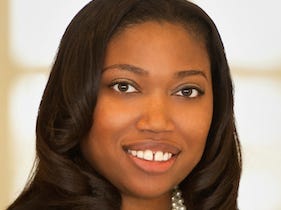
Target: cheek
109 125
194 129
112 117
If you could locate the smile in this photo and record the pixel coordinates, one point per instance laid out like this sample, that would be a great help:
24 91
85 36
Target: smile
150 155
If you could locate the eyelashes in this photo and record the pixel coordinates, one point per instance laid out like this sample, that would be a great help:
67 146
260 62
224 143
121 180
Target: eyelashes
124 86
189 92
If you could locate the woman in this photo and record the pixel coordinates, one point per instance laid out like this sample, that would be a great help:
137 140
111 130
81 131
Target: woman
137 113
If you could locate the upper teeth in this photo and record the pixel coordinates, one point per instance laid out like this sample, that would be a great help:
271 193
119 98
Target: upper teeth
149 155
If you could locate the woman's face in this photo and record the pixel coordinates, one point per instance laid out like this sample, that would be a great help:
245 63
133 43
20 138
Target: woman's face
154 109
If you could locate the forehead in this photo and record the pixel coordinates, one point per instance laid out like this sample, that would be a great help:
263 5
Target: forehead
194 30
157 44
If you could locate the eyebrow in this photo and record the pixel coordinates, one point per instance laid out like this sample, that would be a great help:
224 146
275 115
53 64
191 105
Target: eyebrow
127 67
141 71
192 72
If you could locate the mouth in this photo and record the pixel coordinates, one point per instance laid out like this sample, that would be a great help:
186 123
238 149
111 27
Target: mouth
152 157
149 155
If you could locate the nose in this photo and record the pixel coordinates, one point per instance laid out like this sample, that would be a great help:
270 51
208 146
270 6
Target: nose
155 115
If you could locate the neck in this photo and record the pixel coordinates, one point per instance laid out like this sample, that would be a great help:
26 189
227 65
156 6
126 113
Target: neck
135 203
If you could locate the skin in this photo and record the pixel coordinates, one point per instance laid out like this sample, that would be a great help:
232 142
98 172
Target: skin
165 98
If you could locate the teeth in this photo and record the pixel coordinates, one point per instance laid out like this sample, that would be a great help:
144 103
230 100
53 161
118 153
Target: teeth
158 156
165 156
148 155
134 152
140 154
151 156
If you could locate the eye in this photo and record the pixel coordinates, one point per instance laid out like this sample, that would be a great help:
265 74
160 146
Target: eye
124 87
189 92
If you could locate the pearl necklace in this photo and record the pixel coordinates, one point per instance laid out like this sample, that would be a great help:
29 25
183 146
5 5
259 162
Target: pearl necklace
177 200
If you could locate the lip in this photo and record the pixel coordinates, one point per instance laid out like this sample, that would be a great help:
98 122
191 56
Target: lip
152 167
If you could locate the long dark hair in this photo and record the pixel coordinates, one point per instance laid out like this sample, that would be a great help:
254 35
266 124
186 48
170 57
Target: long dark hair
62 179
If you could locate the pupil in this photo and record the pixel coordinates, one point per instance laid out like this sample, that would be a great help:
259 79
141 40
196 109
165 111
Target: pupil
186 92
123 87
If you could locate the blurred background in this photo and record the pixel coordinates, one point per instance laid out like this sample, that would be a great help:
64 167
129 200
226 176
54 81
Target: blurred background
30 32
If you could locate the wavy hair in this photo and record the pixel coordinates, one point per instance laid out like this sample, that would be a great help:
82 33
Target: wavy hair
62 178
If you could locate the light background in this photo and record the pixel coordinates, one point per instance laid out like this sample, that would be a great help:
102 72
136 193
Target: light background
30 31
